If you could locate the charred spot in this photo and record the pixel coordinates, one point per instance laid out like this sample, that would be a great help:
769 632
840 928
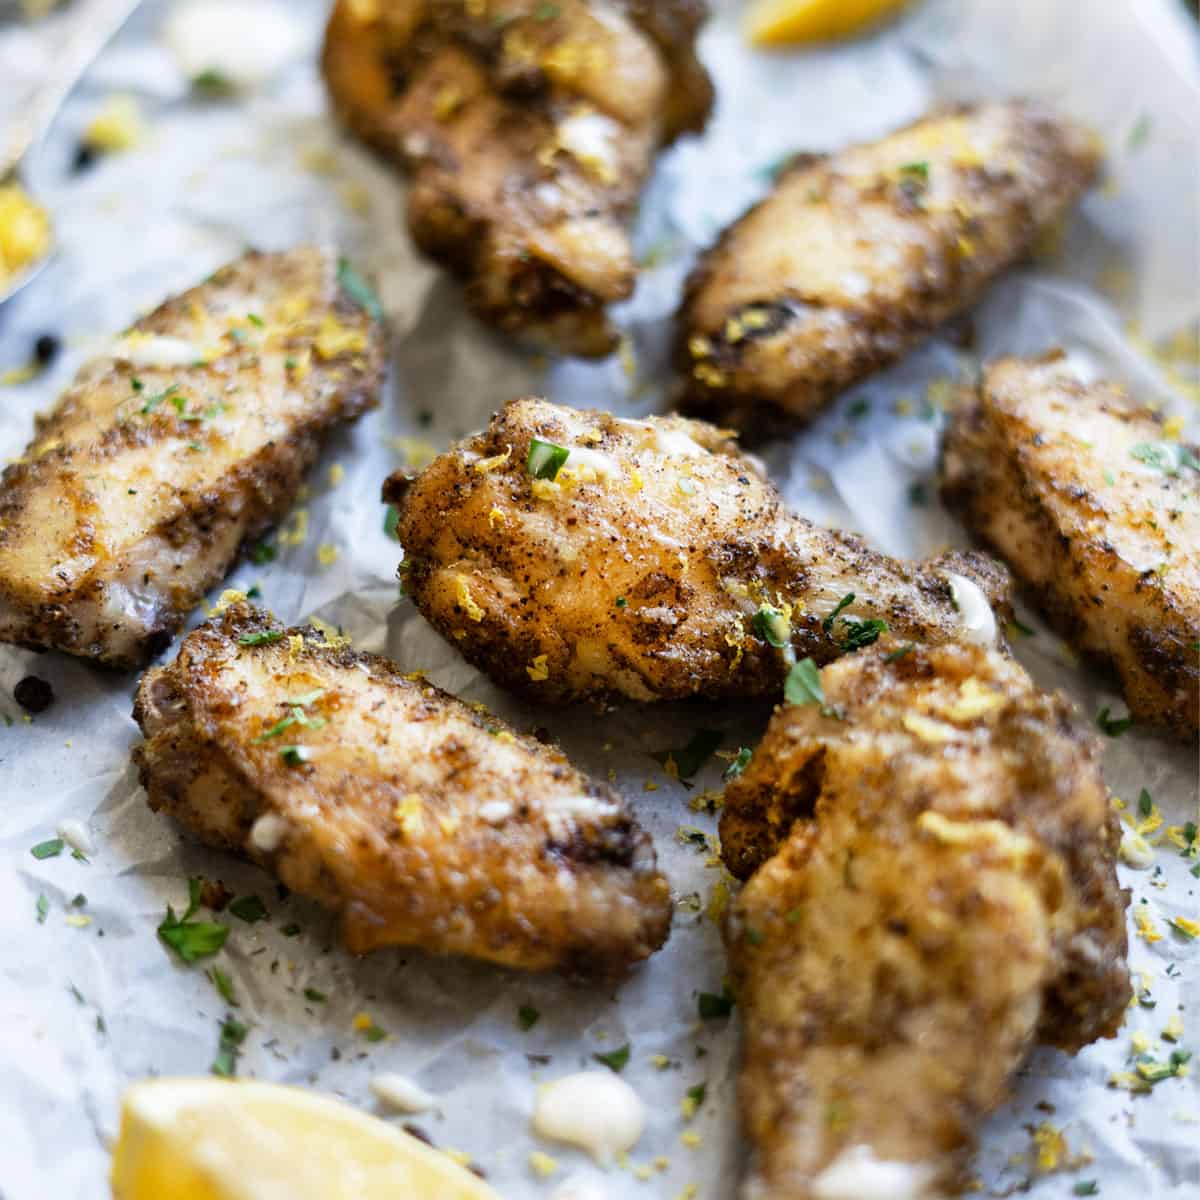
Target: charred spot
157 641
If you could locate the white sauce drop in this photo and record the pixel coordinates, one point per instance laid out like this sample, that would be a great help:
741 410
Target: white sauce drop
495 811
856 1174
676 442
594 1110
581 456
589 137
267 833
974 611
151 350
245 41
1135 851
75 834
400 1093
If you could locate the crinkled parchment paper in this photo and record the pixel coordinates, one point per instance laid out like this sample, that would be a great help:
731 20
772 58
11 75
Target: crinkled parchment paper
85 1008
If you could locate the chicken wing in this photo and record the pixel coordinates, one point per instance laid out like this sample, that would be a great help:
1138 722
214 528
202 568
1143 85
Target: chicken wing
1098 512
175 449
855 258
937 894
421 820
574 555
528 130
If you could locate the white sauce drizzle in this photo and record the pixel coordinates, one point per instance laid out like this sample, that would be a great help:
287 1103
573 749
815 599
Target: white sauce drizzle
153 350
594 1110
400 1093
267 833
856 1174
75 834
975 613
581 456
1135 851
495 811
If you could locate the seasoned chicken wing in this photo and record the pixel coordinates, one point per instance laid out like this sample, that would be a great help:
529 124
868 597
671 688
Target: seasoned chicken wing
574 555
855 258
937 894
172 451
421 820
1098 512
528 130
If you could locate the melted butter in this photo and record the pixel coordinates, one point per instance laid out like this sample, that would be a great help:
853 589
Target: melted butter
594 1110
974 611
856 1174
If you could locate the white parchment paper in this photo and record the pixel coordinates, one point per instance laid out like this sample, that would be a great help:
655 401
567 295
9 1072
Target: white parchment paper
86 1008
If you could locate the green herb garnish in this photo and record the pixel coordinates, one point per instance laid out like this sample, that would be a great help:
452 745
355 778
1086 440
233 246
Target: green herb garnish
294 756
263 553
527 1017
51 848
391 521
712 1007
192 939
1167 457
224 985
1145 804
860 634
843 604
42 908
229 1047
772 626
311 993
213 84
545 459
616 1060
249 909
265 638
359 290
803 686
1086 1187
1113 727
739 764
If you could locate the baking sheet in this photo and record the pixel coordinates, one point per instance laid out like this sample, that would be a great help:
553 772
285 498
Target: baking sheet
84 1009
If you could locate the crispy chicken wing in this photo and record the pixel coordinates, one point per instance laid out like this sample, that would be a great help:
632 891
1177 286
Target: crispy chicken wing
172 451
421 820
937 894
1098 513
575 555
855 258
528 130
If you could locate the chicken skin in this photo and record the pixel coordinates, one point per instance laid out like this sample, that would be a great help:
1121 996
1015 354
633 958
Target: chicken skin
937 894
419 819
177 448
1098 512
528 130
855 258
574 555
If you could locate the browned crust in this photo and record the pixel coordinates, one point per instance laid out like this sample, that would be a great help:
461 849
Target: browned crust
201 765
831 346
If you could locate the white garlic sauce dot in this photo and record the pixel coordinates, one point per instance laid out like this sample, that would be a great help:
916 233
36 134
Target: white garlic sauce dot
75 834
856 1174
400 1093
974 612
594 1110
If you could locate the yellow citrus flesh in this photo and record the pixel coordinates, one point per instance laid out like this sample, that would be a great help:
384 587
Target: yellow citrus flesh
788 22
215 1139
24 232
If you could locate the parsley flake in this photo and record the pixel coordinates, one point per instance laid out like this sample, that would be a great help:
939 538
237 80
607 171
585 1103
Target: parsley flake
265 638
190 939
311 993
391 521
42 907
616 1060
249 909
51 848
713 1007
545 459
803 686
527 1017
295 756
1086 1187
739 764
1111 726
359 290
229 1048
1145 804
224 985
772 626
262 554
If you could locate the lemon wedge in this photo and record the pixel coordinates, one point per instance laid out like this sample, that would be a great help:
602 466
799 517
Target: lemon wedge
214 1139
787 22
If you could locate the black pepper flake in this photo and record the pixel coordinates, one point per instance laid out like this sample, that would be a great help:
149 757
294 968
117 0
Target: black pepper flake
33 694
46 349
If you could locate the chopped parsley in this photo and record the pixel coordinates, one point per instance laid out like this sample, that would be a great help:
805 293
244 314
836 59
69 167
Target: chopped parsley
229 1047
359 290
918 169
1086 1187
527 1017
373 1033
772 626
1111 726
860 634
391 521
249 909
1153 1071
545 459
1167 457
212 84
712 1007
262 554
294 756
265 638
696 1094
224 985
51 848
903 652
616 1060
843 604
739 764
622 602
192 939
683 763
292 930
1145 804
311 993
803 686
152 402
42 907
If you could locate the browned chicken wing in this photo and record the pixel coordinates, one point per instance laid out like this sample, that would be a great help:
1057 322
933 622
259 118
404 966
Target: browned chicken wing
575 555
937 894
175 449
856 257
1098 512
528 130
419 819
